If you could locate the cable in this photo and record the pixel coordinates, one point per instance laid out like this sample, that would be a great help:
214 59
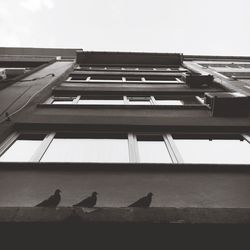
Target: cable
19 109
29 80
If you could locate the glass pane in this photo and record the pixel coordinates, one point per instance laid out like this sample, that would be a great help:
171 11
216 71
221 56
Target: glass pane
21 150
215 151
62 102
139 102
87 150
101 102
153 151
169 102
133 78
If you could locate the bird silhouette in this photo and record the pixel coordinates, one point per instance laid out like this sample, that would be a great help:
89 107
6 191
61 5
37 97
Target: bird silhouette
52 201
88 202
143 202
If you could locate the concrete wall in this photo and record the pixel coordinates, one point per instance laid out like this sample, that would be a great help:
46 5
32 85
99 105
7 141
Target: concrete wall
120 188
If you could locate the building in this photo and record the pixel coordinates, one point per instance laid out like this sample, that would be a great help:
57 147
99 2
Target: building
125 124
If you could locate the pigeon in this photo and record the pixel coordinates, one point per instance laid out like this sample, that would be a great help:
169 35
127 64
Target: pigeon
143 202
52 201
88 202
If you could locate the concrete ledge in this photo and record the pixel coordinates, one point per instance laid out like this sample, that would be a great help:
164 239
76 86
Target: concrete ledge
189 215
132 167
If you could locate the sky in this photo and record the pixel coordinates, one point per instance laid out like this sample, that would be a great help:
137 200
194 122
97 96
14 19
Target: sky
214 27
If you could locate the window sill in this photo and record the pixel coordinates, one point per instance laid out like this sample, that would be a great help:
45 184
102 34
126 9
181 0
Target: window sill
84 106
134 167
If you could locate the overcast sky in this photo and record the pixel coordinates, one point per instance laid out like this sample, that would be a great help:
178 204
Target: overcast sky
219 27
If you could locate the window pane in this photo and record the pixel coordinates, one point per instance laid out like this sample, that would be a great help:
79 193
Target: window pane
106 77
169 102
215 151
78 77
101 102
87 150
133 78
139 100
153 150
62 102
21 150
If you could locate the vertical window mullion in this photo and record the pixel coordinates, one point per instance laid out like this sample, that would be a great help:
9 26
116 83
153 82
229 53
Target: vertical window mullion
76 100
50 100
173 150
246 137
178 80
43 147
199 99
133 148
126 101
152 100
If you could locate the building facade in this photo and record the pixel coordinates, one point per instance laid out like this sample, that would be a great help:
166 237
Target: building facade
125 124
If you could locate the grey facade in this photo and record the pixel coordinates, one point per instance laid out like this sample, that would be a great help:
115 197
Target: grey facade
146 99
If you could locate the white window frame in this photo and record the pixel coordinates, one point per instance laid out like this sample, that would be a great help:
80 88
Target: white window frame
152 100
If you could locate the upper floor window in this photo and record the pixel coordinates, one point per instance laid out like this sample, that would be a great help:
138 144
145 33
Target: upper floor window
143 79
226 66
125 100
131 68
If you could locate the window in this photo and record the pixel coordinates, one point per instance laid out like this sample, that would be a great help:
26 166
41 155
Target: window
91 147
59 100
217 150
105 100
105 78
140 100
161 101
126 100
78 78
87 149
169 78
127 147
152 149
132 78
22 148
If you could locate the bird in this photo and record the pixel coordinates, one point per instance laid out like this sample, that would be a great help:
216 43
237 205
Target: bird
143 202
88 202
52 201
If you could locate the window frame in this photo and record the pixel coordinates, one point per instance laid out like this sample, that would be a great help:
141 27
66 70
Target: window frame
153 100
140 78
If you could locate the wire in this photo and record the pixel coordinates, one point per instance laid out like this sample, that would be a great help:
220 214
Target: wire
19 109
